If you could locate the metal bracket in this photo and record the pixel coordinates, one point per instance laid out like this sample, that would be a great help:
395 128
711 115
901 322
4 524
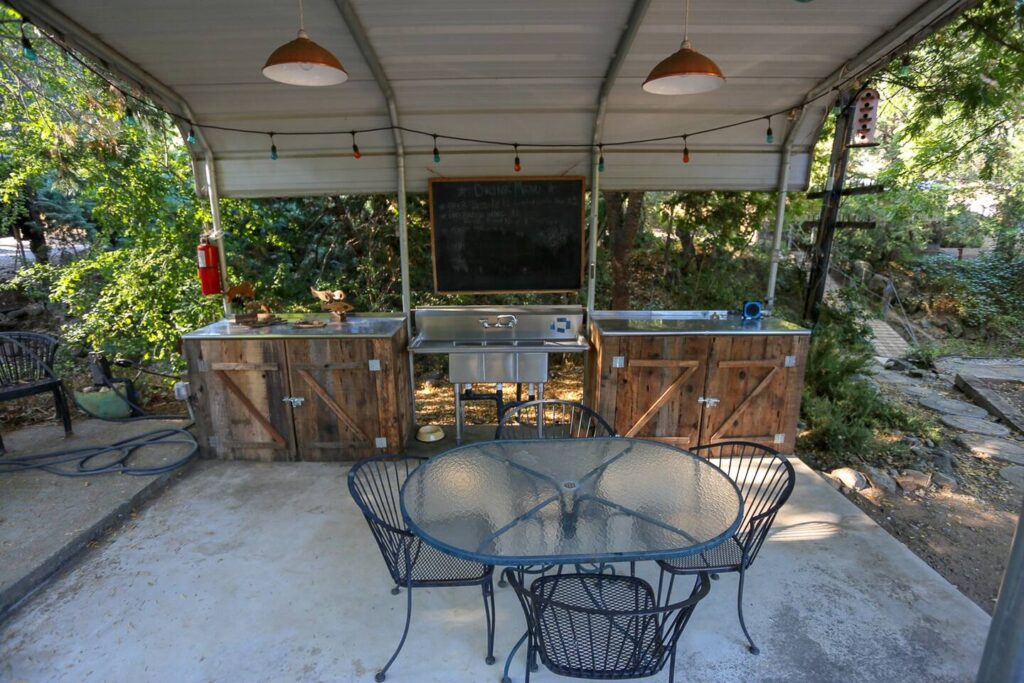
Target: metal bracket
789 362
618 361
294 401
374 365
380 442
780 438
709 401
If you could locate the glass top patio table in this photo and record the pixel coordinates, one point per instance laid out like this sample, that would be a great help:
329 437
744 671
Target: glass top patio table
570 500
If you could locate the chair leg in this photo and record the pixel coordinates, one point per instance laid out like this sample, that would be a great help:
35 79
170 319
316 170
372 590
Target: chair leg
672 666
511 655
739 607
61 402
382 674
488 590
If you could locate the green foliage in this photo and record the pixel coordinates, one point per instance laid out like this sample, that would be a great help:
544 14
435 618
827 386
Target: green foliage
986 292
846 416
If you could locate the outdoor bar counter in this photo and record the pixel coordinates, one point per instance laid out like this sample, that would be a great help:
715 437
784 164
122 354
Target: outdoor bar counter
697 377
284 392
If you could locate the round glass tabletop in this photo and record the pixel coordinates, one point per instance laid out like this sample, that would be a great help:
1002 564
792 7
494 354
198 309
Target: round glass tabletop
570 500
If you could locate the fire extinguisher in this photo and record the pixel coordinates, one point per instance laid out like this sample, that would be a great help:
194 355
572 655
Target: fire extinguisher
209 266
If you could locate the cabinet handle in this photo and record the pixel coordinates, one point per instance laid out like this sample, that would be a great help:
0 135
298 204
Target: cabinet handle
294 401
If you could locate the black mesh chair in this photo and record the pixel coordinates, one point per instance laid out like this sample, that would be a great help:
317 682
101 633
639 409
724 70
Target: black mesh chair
601 626
376 484
26 369
562 420
765 480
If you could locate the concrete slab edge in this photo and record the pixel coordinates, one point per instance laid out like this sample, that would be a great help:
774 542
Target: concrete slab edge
974 388
15 595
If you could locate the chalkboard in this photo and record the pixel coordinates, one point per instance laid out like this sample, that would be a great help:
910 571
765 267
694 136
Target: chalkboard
492 235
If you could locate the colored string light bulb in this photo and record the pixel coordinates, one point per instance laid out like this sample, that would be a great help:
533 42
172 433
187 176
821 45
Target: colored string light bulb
686 151
600 159
129 116
273 148
905 66
437 154
355 148
26 45
516 166
769 136
191 139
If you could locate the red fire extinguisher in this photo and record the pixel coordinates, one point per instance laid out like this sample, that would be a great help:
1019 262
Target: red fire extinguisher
209 266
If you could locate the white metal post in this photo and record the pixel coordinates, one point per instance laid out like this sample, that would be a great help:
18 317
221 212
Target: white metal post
780 207
218 231
592 247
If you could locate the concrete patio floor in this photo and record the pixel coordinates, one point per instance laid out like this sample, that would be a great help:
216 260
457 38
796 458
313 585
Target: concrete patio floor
267 572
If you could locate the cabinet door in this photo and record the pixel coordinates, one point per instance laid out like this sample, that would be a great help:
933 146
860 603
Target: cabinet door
658 387
337 380
240 387
753 390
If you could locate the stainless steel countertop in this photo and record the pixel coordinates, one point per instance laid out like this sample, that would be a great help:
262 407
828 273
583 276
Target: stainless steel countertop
683 323
367 325
577 345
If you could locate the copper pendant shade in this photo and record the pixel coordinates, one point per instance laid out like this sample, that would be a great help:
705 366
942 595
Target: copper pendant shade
303 62
685 71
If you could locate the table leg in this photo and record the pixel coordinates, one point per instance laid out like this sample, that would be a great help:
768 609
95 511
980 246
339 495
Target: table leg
458 414
508 660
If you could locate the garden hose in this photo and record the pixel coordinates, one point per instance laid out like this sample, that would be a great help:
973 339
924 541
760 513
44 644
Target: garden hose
115 457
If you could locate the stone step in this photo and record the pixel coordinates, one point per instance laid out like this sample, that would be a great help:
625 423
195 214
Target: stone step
1000 449
951 406
974 425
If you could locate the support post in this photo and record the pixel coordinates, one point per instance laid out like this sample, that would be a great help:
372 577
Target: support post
595 196
218 231
1003 658
780 208
821 253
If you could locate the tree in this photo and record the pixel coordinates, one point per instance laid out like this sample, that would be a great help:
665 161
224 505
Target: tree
623 216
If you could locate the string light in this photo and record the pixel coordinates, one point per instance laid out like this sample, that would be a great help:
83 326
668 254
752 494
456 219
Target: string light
191 139
129 116
769 136
355 148
905 66
26 45
686 151
600 159
437 154
516 166
273 147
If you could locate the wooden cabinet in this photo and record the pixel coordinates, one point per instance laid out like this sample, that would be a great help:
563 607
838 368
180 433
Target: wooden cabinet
300 398
696 389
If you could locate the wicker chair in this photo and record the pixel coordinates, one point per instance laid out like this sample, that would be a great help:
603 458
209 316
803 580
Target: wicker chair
26 369
562 420
600 626
765 480
376 484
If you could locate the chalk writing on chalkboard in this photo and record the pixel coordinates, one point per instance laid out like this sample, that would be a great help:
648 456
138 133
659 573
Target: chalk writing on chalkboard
507 234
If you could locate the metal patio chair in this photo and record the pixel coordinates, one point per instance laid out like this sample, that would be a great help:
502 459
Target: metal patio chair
26 369
561 420
376 484
765 480
600 626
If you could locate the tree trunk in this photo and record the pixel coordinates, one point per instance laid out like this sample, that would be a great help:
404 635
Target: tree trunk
31 226
623 225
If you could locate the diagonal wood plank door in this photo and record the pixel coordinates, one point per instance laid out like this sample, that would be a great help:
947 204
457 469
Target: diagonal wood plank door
758 391
339 417
245 384
655 394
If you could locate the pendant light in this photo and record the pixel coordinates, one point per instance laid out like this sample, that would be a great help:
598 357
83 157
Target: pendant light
686 71
303 62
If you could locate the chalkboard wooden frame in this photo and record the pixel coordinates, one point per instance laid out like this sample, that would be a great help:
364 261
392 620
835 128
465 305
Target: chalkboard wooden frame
582 180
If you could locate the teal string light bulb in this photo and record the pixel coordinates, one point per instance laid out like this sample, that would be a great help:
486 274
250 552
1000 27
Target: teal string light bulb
26 45
600 159
437 153
769 136
129 117
273 148
191 139
905 66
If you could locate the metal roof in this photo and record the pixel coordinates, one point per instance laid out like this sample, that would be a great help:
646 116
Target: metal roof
531 71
